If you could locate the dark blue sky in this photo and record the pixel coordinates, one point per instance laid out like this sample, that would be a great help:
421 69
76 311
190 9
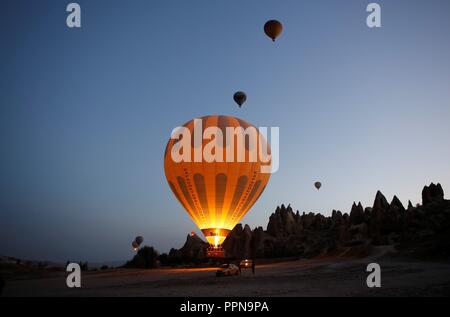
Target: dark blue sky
85 114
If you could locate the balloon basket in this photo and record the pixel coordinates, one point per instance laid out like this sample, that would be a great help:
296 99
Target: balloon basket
215 252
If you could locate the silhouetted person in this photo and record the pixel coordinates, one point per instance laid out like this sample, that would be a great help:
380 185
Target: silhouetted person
253 253
2 284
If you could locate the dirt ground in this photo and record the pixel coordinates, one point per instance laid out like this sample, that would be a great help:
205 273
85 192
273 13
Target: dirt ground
318 277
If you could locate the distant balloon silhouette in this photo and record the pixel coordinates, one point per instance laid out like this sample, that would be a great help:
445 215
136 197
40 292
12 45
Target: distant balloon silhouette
273 29
240 97
318 185
139 240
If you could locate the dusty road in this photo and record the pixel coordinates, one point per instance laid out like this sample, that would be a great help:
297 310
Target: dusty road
324 277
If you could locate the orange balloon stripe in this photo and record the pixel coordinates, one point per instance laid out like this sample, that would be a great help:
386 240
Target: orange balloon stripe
239 183
189 169
188 198
209 172
178 192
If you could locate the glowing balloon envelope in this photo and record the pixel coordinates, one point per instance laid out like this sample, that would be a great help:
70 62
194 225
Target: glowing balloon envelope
217 194
273 29
134 245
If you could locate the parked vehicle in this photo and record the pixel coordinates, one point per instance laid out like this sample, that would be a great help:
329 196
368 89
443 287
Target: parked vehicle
246 264
227 270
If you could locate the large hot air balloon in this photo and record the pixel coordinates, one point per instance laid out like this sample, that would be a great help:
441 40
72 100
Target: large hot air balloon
139 240
240 97
216 195
273 29
318 185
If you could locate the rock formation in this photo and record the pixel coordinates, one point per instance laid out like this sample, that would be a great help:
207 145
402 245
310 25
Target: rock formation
193 249
432 193
424 228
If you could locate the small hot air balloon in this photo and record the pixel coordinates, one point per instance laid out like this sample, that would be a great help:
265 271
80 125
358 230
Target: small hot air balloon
318 185
216 194
139 240
240 97
273 29
134 245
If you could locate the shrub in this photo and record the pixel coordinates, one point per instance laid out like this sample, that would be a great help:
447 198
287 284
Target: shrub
146 257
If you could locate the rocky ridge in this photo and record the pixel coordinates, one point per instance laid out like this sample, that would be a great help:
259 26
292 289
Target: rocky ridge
423 229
